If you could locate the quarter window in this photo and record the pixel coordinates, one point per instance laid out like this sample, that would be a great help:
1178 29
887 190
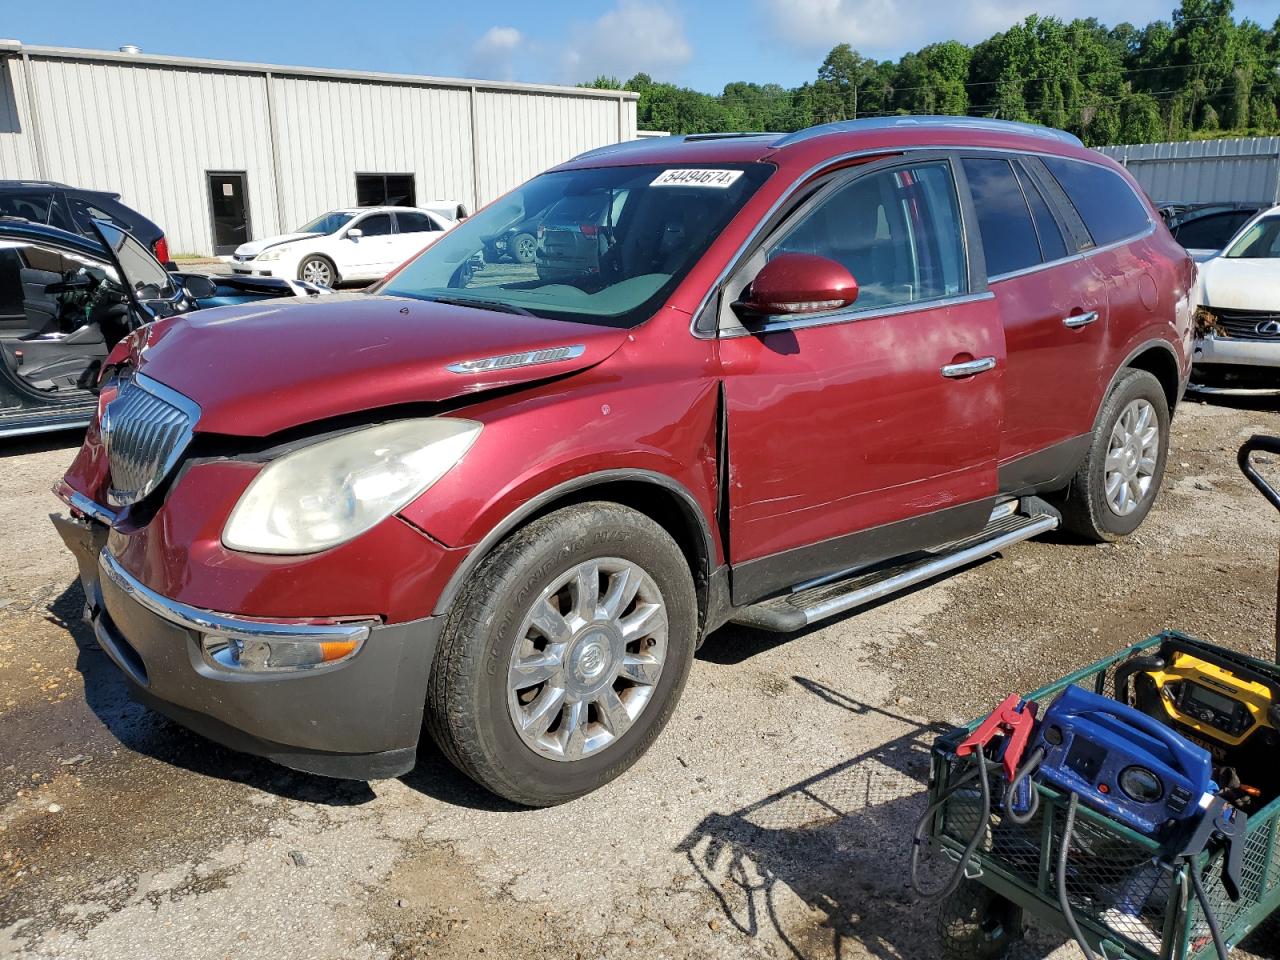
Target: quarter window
1105 201
897 231
1004 220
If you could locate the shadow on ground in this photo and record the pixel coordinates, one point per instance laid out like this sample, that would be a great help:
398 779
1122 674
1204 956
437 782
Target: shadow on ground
150 734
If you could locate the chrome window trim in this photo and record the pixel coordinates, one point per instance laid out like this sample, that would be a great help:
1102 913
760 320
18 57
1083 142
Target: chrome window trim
220 624
1082 255
850 316
801 181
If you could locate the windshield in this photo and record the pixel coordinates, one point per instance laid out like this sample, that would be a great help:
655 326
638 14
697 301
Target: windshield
326 223
599 246
1260 242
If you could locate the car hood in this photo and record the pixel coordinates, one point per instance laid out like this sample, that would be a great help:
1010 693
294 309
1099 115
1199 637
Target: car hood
255 247
1240 283
261 368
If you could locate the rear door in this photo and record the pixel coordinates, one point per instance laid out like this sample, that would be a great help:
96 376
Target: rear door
416 230
848 442
1053 306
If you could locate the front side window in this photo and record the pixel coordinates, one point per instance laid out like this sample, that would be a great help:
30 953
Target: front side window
1106 203
1210 232
609 243
1260 242
378 225
897 231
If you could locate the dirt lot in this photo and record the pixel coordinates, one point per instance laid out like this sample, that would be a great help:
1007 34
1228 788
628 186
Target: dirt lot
769 820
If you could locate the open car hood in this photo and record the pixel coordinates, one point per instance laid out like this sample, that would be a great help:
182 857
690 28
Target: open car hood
264 367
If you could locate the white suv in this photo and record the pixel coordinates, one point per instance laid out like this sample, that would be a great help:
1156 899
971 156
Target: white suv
360 243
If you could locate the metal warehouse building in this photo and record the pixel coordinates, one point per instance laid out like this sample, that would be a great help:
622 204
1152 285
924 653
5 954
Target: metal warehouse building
217 152
1245 169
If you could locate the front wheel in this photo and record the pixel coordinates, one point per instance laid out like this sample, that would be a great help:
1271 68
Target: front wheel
1114 488
563 658
524 248
318 270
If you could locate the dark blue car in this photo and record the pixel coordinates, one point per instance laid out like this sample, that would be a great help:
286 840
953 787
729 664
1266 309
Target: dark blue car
67 299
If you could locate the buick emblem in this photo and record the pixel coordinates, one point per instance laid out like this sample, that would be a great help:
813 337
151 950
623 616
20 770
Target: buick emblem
1268 328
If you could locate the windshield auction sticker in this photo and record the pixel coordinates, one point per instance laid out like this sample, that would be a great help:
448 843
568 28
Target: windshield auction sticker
700 177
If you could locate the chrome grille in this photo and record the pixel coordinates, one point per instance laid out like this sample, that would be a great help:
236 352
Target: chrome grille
145 428
1250 324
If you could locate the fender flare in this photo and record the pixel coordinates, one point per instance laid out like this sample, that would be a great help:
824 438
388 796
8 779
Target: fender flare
1135 352
537 503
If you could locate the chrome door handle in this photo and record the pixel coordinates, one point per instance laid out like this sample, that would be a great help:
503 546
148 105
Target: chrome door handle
1080 319
969 368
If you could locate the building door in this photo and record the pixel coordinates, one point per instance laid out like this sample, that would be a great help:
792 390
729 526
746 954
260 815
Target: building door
229 207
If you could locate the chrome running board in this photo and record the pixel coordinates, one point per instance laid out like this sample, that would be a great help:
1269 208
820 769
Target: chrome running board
794 611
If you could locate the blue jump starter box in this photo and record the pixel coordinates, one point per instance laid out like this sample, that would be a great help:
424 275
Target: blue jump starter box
1122 762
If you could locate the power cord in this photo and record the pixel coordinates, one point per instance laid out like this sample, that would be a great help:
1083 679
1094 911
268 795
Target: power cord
920 837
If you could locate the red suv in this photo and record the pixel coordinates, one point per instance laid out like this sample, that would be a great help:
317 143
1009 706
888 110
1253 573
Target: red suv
795 374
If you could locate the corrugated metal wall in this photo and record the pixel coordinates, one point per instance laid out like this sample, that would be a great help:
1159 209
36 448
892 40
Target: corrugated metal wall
330 130
16 143
1246 169
152 128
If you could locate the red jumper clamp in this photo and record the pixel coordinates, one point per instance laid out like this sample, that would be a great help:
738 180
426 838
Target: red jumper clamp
1014 720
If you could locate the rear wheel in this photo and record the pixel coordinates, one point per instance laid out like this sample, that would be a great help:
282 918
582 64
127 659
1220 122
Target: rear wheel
319 270
564 656
1114 488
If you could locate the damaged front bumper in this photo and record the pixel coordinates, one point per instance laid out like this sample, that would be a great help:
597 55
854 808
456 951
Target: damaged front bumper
357 715
1232 366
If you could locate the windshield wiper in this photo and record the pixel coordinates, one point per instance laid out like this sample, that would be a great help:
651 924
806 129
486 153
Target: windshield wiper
498 306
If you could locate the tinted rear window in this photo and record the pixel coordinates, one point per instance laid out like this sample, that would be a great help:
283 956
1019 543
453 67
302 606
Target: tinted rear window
1008 235
1106 203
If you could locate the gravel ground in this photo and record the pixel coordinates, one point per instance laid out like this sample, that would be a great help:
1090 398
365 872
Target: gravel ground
770 819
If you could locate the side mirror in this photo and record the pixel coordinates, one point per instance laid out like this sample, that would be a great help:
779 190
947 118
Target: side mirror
355 233
795 284
198 286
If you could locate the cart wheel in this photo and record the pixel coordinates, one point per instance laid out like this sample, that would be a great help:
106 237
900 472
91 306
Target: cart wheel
976 923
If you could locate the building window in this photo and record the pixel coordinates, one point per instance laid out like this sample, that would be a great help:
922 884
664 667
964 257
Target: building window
385 189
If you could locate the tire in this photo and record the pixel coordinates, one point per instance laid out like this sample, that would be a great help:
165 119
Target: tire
523 248
1089 508
318 266
476 699
976 923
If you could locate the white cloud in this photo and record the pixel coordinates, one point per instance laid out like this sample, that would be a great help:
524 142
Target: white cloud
634 36
886 28
493 56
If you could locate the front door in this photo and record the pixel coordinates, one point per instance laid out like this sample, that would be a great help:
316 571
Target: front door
229 207
852 435
372 253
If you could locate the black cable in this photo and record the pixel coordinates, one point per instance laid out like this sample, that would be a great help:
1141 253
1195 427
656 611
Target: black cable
1209 916
1063 902
1011 791
919 838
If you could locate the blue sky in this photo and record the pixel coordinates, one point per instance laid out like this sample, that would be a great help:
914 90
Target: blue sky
692 42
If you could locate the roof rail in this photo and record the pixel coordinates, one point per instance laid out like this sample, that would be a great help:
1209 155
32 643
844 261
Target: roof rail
869 124
730 135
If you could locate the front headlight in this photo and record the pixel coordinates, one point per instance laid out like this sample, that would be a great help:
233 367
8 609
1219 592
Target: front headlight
334 490
271 253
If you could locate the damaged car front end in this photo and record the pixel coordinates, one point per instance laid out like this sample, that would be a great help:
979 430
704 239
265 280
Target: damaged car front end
1237 346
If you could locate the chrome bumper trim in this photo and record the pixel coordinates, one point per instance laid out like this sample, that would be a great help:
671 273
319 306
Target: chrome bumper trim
78 501
219 624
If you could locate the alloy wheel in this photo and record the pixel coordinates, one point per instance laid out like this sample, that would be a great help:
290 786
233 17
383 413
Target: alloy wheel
317 271
587 659
1132 452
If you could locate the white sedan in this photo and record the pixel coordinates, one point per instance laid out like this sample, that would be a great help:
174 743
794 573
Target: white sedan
1237 348
361 243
